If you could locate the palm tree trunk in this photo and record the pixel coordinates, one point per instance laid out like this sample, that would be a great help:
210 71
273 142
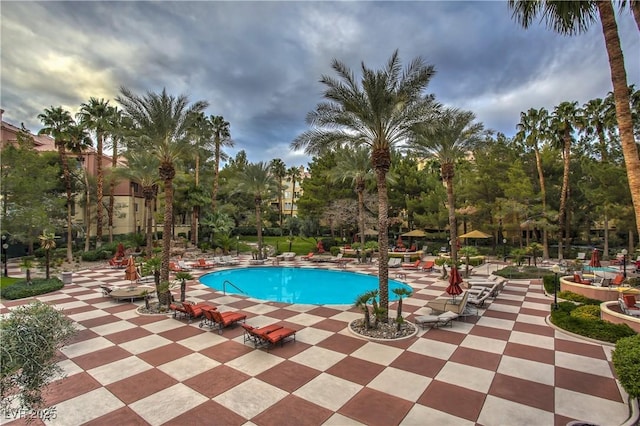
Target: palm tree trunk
543 195
453 226
216 174
360 189
621 98
112 189
166 229
87 212
99 190
258 202
562 211
293 194
383 237
67 181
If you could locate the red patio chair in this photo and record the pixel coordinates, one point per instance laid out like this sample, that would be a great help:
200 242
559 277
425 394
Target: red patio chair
196 310
225 319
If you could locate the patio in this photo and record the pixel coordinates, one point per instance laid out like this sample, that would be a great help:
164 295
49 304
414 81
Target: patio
504 366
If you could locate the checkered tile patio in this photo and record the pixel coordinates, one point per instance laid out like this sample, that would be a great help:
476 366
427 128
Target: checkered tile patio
504 367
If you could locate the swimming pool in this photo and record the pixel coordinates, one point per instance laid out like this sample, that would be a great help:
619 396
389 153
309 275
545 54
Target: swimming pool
297 285
600 269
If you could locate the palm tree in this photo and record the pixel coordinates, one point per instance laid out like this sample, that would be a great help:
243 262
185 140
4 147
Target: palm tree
119 127
67 137
202 134
533 129
96 115
293 176
279 172
27 265
361 303
401 292
564 120
257 181
575 17
143 169
354 165
47 243
600 120
162 123
221 138
183 277
448 139
378 113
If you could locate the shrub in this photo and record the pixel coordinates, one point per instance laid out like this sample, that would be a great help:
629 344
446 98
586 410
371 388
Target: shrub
22 289
588 326
334 250
586 312
95 255
626 361
578 298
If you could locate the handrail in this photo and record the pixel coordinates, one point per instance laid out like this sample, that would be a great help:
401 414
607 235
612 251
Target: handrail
224 287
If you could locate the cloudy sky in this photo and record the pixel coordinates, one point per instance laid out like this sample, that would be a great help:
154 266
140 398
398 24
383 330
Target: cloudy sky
258 63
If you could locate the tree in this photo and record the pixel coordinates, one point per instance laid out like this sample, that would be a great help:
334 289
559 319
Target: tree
355 166
221 138
532 130
293 176
573 18
67 137
119 127
47 243
96 115
379 112
279 172
448 139
202 135
162 122
563 124
258 182
31 336
401 292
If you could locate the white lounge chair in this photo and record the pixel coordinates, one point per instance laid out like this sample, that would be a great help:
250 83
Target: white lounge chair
444 304
627 311
440 320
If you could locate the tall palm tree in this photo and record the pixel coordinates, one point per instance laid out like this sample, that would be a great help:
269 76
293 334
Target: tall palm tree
532 130
354 165
96 115
202 135
448 139
67 137
221 138
378 112
162 122
575 17
119 127
279 171
564 121
257 181
600 119
143 169
293 176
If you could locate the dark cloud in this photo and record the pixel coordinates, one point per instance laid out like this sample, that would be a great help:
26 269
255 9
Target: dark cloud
258 63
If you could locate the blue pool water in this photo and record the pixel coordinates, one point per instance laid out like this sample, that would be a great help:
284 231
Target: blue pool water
298 285
600 269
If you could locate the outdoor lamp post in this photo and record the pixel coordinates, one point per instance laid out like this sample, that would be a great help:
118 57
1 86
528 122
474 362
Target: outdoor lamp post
237 245
624 263
5 247
504 249
556 270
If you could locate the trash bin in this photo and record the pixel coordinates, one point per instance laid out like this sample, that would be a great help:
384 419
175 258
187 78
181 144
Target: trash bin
67 278
407 258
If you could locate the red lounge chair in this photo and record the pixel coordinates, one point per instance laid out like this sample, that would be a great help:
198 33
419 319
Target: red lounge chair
307 257
280 335
223 319
178 310
428 265
630 301
196 310
578 279
203 264
617 280
256 335
414 265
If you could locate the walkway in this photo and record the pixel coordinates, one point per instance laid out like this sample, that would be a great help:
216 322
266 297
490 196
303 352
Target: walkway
504 367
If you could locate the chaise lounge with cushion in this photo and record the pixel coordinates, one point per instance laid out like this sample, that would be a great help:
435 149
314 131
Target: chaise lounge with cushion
432 321
221 320
444 304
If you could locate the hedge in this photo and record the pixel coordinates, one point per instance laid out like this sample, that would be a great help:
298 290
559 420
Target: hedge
626 361
586 325
22 289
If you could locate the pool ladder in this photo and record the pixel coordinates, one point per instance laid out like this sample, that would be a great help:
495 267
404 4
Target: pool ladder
224 287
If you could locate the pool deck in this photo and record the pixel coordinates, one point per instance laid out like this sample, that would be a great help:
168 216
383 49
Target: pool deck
505 366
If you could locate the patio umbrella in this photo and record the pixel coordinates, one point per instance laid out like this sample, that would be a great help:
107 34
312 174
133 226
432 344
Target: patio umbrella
320 247
475 234
415 233
130 272
455 280
595 259
119 251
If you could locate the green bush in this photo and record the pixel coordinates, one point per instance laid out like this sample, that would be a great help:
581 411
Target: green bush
334 250
548 281
586 312
594 328
22 289
96 255
523 273
626 361
578 298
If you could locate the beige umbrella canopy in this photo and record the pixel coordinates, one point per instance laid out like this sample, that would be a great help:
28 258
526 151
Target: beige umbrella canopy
415 233
475 234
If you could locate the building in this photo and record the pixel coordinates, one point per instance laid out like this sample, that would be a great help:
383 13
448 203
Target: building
289 197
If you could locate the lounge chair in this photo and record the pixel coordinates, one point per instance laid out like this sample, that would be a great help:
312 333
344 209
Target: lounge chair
444 304
617 280
178 309
428 266
288 256
478 298
625 310
280 335
630 301
432 321
222 319
578 279
173 267
255 335
118 263
201 263
581 256
307 257
106 290
395 262
195 311
183 265
414 265
229 260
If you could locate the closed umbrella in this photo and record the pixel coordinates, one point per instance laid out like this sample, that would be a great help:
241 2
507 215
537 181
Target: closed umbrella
320 247
595 259
130 272
119 251
455 280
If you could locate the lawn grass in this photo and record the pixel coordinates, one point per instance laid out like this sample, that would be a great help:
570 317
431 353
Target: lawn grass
299 245
7 281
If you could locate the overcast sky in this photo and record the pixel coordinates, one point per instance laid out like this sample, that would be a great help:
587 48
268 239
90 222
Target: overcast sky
258 63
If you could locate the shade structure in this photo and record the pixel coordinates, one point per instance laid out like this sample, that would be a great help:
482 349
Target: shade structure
415 233
595 259
130 272
455 280
475 234
629 290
